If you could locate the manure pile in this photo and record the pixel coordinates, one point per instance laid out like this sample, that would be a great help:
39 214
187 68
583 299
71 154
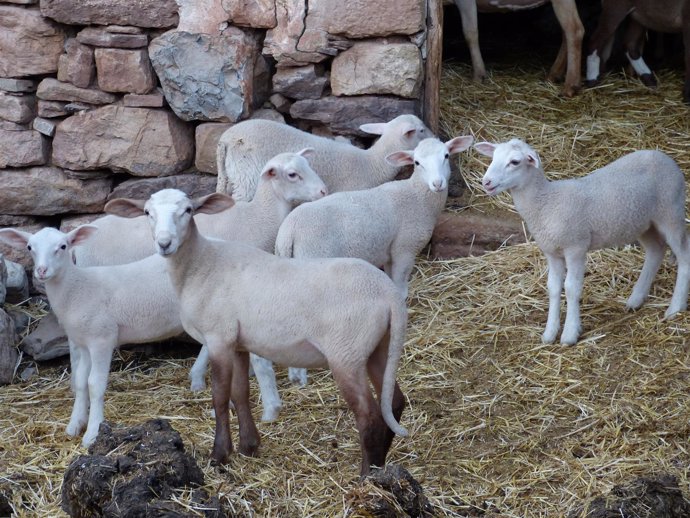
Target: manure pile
501 425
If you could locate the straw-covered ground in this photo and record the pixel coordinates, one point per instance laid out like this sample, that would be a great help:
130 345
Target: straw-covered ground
500 424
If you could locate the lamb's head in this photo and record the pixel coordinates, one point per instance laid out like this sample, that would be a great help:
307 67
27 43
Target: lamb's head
431 160
170 213
403 132
292 179
513 163
49 248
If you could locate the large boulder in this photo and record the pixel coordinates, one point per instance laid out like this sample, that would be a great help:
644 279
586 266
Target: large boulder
378 67
140 13
211 78
140 141
29 44
50 190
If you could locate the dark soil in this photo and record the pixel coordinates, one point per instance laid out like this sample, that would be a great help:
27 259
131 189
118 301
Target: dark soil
653 497
133 472
390 492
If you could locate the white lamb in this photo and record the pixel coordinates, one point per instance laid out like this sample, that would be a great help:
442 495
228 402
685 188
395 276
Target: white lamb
640 196
387 225
285 180
244 147
340 313
100 308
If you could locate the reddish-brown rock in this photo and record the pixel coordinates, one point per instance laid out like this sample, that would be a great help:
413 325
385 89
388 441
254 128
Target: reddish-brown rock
46 191
121 70
472 233
251 13
105 38
139 13
141 141
19 109
202 16
22 149
207 136
307 82
29 43
378 67
140 189
76 65
53 90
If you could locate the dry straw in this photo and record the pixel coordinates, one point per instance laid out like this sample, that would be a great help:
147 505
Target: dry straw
500 424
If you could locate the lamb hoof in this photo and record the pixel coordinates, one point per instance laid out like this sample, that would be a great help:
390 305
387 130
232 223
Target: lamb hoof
89 439
297 376
74 428
634 303
570 337
672 312
648 80
549 337
271 414
250 449
198 385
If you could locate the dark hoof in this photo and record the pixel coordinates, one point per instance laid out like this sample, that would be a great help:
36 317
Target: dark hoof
648 80
249 450
591 83
219 458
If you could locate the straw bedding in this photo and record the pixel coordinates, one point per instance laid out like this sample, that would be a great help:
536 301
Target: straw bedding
500 424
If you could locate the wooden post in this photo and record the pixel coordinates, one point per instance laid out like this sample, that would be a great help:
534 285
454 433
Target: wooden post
432 69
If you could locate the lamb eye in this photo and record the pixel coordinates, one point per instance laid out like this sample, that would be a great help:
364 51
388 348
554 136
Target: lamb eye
63 247
514 162
188 210
292 176
146 212
28 247
447 155
416 162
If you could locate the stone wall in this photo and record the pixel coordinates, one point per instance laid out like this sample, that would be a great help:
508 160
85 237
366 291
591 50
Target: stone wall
107 98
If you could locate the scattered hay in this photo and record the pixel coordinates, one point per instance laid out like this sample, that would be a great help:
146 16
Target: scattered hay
501 425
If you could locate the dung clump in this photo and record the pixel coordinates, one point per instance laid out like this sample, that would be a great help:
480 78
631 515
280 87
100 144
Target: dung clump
133 472
389 492
645 497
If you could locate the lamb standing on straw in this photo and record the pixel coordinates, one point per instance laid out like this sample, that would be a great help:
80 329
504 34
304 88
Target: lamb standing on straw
640 196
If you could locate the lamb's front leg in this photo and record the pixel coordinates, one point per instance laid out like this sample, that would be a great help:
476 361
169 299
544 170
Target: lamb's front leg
221 382
197 374
574 280
554 284
81 365
101 357
249 435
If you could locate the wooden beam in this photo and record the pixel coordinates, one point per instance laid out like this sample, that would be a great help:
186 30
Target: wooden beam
432 69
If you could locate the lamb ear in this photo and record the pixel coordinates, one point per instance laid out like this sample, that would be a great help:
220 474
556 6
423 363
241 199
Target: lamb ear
213 203
81 234
485 148
533 158
373 128
459 144
15 238
401 158
125 207
307 152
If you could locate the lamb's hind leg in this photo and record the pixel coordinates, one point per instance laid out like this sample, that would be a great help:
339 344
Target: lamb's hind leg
370 423
376 366
654 245
678 242
266 377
